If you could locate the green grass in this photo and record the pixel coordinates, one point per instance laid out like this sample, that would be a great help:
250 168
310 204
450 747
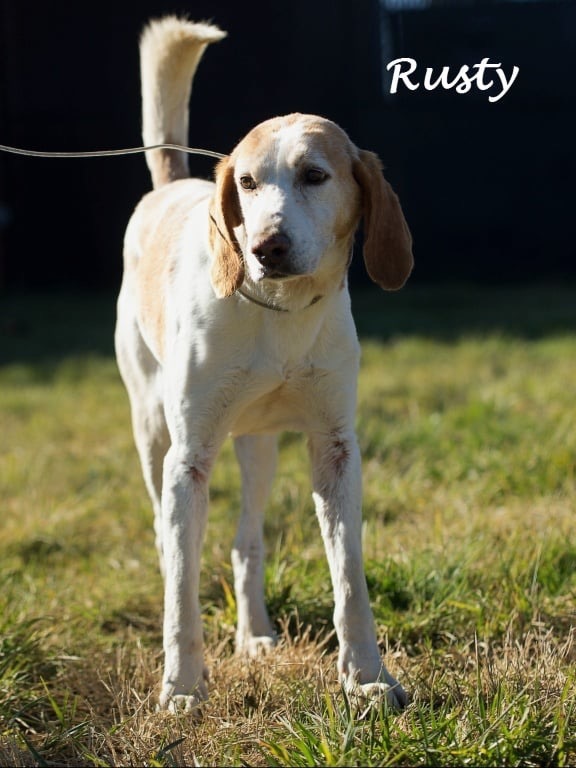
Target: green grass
467 407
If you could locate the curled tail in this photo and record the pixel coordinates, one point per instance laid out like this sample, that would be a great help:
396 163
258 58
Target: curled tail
170 51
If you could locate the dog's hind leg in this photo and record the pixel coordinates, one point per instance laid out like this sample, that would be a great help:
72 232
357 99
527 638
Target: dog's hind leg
141 375
152 441
257 456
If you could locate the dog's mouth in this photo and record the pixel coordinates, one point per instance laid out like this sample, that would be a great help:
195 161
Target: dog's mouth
274 273
286 273
277 275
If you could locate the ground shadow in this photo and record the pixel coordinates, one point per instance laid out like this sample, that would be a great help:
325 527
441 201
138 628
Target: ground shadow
449 311
42 329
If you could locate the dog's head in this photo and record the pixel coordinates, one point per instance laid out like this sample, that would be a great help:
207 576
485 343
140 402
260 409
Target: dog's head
288 201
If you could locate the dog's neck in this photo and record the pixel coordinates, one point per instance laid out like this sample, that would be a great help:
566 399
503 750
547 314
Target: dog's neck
271 305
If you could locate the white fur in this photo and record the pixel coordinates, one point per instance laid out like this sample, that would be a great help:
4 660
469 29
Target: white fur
198 368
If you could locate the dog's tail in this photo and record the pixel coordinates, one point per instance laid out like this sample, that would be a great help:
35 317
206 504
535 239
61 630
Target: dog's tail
170 51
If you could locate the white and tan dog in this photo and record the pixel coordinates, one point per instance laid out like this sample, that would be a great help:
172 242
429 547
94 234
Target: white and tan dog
234 319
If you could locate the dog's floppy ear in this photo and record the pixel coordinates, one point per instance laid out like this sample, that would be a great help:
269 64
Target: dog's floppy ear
228 266
387 239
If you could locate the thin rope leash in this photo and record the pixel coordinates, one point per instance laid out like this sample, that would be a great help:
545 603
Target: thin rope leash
135 151
111 152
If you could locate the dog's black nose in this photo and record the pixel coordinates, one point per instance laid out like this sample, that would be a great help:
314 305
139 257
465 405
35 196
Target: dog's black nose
273 252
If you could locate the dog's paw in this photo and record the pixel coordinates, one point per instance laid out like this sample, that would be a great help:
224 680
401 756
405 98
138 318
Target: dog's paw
182 704
171 701
385 691
376 694
255 647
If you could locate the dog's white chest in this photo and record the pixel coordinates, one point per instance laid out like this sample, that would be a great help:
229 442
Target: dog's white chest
284 407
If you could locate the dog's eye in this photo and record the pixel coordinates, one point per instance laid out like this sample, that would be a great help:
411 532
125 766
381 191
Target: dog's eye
315 176
247 182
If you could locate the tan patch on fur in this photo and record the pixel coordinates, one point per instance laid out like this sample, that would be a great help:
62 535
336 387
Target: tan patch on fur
228 266
160 224
151 301
387 239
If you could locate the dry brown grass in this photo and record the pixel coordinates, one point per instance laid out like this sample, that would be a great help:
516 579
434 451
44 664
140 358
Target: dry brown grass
253 703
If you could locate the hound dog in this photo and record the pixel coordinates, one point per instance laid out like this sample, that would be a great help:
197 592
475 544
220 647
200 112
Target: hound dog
234 319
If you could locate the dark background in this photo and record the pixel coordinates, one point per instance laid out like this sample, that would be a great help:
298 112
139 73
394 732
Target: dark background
488 189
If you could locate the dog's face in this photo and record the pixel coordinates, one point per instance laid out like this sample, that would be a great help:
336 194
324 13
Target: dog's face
297 197
288 201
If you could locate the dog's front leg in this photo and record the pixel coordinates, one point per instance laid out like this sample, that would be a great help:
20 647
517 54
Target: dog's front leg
336 473
184 513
